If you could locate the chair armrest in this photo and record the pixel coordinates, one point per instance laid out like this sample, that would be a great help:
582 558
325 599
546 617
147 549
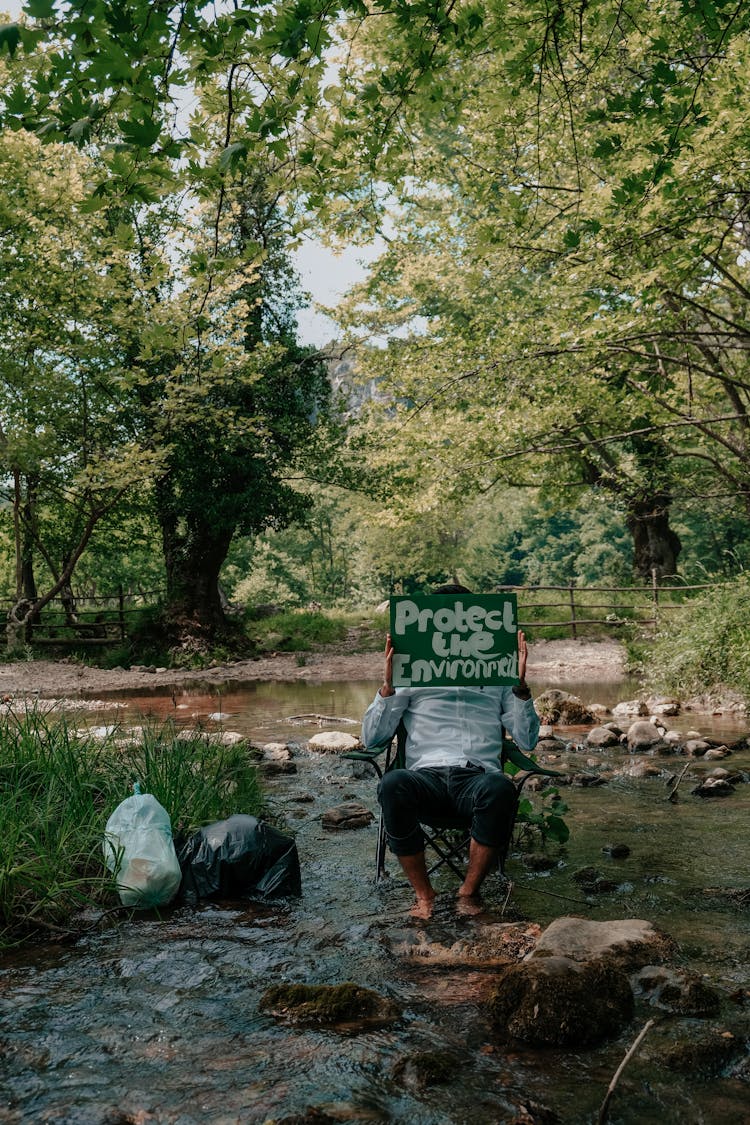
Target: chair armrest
512 754
369 755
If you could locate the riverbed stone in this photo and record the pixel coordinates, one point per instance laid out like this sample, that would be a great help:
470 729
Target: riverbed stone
713 787
706 1056
696 747
676 991
489 944
641 769
555 706
421 1069
628 942
716 753
663 705
643 736
277 752
601 737
331 1005
630 707
333 742
230 738
556 1001
350 814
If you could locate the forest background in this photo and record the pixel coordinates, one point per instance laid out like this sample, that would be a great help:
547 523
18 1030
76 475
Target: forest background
542 379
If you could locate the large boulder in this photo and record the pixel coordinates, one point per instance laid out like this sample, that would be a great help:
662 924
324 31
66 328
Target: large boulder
644 736
602 737
561 707
555 1001
333 742
629 943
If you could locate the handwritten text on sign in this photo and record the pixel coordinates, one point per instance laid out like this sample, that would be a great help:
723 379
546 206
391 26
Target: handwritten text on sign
454 639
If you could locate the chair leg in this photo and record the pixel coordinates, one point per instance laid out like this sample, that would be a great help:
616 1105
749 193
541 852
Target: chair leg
380 872
447 857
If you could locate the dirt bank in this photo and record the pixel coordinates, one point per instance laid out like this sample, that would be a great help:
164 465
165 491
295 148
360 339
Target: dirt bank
553 660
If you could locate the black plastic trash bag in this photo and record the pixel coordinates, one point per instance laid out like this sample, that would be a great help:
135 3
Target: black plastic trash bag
237 857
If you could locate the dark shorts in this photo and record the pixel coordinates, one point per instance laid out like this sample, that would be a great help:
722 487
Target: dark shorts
486 799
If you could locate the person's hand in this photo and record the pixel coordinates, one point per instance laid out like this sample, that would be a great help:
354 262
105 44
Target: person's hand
523 653
387 688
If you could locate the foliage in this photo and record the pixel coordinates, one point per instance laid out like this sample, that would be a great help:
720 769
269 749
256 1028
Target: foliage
67 452
565 288
58 790
297 631
546 822
705 648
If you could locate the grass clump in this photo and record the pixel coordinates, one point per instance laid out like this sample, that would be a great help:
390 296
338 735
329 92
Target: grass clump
57 791
298 630
705 649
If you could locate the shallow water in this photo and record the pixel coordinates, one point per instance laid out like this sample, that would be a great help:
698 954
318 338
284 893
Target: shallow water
157 1019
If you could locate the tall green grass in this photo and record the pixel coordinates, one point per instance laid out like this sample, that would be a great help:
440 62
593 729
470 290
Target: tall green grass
704 647
298 630
57 790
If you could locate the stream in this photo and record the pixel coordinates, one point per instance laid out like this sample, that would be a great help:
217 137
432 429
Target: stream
157 1018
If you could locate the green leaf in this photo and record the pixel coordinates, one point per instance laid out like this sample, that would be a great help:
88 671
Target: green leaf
10 37
40 9
142 131
233 155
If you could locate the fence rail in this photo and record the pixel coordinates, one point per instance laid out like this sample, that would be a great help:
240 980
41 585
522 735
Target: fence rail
645 612
106 622
67 623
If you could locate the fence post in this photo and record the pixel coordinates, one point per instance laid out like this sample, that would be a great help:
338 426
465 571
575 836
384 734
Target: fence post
655 593
121 610
571 586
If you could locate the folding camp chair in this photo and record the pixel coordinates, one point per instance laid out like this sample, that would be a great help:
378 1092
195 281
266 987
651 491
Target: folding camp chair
448 838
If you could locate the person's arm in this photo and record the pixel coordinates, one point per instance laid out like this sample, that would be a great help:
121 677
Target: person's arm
382 716
519 715
522 689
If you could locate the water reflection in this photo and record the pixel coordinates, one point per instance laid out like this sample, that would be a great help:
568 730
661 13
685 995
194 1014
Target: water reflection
260 710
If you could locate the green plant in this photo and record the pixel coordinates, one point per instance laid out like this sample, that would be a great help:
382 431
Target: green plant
547 822
705 647
298 630
57 790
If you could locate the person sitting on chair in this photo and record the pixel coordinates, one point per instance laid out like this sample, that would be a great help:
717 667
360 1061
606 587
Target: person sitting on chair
453 742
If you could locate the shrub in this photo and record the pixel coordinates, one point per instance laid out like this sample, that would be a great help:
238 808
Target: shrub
705 648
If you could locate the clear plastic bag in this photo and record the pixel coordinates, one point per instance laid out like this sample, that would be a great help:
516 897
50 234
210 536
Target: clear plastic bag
139 851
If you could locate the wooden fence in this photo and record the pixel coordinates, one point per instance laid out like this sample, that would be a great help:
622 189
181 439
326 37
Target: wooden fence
96 621
641 604
103 619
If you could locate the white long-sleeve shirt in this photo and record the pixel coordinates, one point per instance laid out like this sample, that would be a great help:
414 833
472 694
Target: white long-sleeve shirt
450 726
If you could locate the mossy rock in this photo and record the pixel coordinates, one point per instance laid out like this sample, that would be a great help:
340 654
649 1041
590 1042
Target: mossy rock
558 1002
329 1004
707 1057
428 1068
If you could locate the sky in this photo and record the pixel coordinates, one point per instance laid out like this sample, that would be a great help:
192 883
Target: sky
324 274
327 276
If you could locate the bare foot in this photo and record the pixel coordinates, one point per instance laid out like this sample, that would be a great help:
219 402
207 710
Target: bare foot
423 908
469 904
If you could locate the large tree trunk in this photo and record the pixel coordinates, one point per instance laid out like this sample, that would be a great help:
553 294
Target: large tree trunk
656 547
193 558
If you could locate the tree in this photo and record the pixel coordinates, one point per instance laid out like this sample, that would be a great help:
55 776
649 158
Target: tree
67 453
568 273
218 384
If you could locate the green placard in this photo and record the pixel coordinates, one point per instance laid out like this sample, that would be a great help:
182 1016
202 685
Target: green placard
456 640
